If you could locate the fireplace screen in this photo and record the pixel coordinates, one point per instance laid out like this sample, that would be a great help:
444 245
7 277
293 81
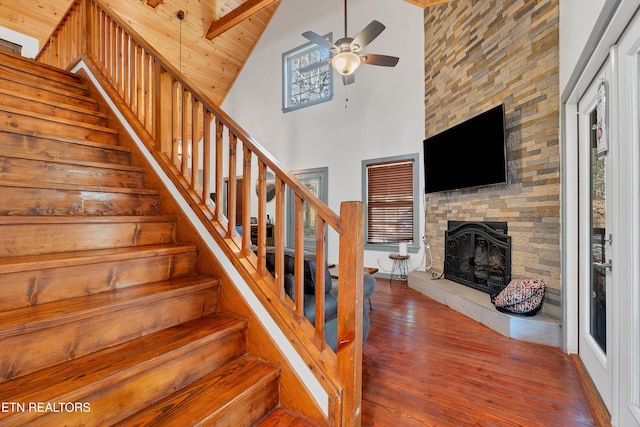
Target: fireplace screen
477 252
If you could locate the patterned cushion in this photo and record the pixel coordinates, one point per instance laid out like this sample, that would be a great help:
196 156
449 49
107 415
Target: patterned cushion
521 296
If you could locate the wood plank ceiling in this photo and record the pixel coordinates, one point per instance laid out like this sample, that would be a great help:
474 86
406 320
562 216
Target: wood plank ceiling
211 44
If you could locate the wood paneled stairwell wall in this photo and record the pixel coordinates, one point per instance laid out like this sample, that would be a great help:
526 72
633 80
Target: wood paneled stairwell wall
104 318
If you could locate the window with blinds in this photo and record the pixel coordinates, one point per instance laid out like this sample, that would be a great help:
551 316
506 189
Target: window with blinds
391 200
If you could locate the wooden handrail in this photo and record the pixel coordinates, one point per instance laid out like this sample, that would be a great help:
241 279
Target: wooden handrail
198 144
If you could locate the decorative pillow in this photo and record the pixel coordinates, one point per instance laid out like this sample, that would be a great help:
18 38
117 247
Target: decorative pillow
521 296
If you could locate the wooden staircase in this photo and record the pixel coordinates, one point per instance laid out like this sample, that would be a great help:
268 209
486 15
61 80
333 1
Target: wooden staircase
103 317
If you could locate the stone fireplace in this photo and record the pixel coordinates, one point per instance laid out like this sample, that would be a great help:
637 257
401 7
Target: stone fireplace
477 253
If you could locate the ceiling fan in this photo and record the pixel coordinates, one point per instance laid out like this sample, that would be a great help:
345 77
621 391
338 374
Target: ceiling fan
346 57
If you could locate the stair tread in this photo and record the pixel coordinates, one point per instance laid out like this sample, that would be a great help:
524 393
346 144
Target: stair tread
25 219
66 139
83 188
27 319
286 417
52 90
219 389
76 87
113 166
32 98
65 259
94 370
70 122
9 57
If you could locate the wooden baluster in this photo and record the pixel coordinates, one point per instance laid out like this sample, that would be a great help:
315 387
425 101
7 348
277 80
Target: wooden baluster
206 163
321 262
126 66
184 164
140 85
86 28
219 165
195 145
278 238
232 192
298 280
246 201
262 219
148 92
176 116
118 59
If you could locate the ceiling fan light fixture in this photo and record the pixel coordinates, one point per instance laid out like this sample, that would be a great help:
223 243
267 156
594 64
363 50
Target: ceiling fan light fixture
346 63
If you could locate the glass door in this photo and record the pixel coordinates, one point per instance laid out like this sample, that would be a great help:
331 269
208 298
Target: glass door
595 237
316 181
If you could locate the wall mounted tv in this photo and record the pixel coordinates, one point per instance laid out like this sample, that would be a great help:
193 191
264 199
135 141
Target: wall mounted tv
470 154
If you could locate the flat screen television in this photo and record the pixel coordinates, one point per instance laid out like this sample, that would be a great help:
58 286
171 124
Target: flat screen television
470 154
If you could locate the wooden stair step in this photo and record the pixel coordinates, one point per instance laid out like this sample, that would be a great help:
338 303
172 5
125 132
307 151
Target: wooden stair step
76 88
40 146
123 379
48 334
238 394
32 235
20 169
39 279
63 199
286 417
41 106
48 93
11 118
31 66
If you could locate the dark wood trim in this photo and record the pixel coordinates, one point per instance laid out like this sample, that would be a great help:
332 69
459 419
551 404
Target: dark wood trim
598 408
154 3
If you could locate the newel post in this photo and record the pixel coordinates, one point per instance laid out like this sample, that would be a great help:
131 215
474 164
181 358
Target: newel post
350 306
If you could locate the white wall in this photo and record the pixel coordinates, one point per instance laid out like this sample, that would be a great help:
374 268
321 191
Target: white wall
384 114
577 18
29 45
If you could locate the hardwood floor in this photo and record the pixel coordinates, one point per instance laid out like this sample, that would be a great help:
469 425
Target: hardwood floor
425 364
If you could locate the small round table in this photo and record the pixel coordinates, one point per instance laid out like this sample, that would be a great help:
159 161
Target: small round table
400 268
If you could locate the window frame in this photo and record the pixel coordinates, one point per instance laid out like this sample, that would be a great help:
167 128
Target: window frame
414 245
287 84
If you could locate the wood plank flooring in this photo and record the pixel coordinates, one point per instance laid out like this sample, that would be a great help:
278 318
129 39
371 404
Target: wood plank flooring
425 364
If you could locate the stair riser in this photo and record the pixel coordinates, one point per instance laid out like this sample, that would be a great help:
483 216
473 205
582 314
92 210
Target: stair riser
138 389
73 88
61 342
33 201
33 239
249 408
41 92
24 65
52 110
35 287
11 120
44 148
27 170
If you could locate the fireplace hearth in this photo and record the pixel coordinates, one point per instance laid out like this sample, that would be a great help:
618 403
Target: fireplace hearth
477 253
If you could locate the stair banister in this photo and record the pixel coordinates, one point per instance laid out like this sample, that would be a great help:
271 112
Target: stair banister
179 120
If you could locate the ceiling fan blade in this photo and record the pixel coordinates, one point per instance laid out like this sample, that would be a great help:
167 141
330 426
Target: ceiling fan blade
367 35
384 60
319 40
349 79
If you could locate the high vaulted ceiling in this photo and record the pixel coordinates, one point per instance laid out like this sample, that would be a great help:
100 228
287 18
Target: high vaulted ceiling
210 45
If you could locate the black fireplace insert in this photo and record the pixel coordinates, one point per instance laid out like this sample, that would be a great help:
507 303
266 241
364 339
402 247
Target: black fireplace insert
478 254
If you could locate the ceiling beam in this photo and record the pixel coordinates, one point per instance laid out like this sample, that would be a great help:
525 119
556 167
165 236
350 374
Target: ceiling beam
154 3
427 3
237 15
